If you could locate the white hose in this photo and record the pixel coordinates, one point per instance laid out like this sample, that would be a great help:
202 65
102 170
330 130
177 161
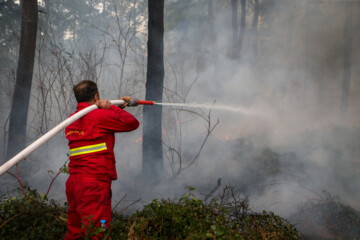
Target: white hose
43 139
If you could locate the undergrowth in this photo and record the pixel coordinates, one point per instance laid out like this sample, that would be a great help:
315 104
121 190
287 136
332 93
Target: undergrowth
225 217
31 217
328 218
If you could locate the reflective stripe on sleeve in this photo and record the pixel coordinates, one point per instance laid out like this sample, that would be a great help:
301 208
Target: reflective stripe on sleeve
88 149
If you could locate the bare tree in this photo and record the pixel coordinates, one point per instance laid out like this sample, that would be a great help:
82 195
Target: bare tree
234 24
347 56
237 36
20 102
254 34
177 161
173 127
242 25
121 38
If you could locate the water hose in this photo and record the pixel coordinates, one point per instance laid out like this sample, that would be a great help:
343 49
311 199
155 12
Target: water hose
43 139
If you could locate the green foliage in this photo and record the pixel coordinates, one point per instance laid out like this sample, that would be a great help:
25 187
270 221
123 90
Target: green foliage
119 227
267 225
65 168
190 218
23 218
185 218
91 231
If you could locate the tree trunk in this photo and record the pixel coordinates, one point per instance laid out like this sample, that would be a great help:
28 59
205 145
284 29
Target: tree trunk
152 155
21 96
254 40
242 25
234 20
237 39
211 21
308 53
207 39
347 56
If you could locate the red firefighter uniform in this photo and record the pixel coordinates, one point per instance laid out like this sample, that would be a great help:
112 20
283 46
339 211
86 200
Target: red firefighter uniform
92 165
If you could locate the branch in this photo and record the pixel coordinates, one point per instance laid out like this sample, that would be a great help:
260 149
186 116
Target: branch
52 181
5 222
118 202
171 149
18 179
136 201
203 143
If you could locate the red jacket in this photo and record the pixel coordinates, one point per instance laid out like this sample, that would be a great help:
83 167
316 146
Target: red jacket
91 140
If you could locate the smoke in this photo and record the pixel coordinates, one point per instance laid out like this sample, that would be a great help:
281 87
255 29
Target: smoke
296 86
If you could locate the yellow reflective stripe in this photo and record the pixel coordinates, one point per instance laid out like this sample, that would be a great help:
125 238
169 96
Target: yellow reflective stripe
92 151
88 149
89 146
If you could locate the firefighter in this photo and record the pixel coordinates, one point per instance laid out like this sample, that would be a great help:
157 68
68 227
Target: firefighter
92 160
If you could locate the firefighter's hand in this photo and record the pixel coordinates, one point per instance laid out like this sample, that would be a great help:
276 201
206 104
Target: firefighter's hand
103 103
127 100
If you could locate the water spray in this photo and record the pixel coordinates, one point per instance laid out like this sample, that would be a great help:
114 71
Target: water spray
46 137
237 109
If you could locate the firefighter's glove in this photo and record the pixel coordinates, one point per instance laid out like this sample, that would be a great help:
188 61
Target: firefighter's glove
127 99
103 103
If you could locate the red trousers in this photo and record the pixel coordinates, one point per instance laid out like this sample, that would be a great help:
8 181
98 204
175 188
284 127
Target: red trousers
89 199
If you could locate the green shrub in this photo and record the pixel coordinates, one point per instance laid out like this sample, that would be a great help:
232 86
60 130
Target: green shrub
190 218
185 218
33 218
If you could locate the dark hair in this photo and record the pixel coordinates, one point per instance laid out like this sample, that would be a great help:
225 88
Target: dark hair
85 91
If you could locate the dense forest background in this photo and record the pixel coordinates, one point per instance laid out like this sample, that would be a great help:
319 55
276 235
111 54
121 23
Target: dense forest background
289 67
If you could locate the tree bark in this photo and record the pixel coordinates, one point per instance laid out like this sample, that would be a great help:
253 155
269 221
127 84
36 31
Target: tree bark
21 96
242 25
237 39
234 25
254 40
152 155
347 56
213 36
207 39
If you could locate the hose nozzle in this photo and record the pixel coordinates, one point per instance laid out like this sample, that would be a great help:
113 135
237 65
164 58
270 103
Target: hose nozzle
135 102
